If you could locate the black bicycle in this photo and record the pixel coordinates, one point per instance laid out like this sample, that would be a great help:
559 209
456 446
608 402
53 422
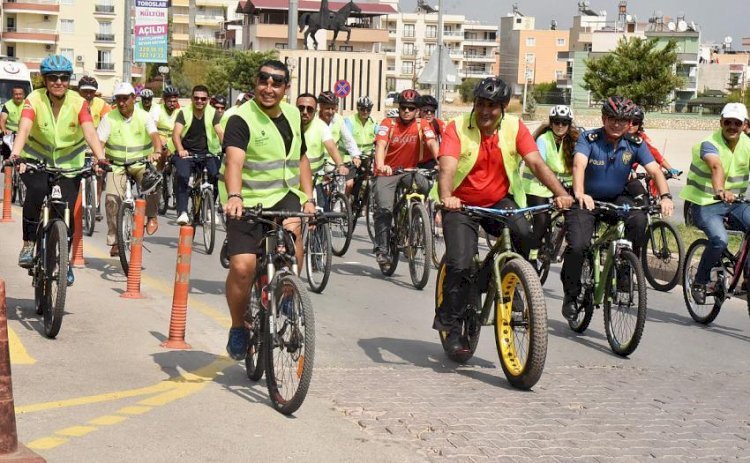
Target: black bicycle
202 207
361 193
89 200
334 199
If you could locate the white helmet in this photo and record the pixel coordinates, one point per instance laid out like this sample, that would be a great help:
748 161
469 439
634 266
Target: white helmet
392 113
146 93
561 112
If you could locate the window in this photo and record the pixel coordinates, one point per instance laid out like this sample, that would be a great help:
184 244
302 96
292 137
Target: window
409 49
10 51
68 53
408 30
530 41
281 45
560 42
429 49
407 67
106 28
67 26
529 58
104 56
431 32
392 28
346 48
558 75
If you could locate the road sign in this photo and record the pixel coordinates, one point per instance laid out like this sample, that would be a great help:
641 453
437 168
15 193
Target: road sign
342 88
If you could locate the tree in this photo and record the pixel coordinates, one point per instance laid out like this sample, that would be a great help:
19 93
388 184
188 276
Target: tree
466 89
545 92
639 69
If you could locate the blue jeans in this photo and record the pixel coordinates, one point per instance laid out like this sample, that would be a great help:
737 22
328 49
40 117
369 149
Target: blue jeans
183 169
710 219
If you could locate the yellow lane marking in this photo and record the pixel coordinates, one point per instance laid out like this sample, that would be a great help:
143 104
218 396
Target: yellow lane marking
18 354
107 420
76 431
134 410
46 443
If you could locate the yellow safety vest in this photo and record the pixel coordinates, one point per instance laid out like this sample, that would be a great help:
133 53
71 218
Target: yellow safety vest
336 127
14 115
555 161
364 135
316 151
128 140
214 146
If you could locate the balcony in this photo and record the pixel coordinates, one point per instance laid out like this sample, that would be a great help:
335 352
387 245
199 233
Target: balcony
203 20
44 7
30 35
480 42
477 73
687 58
457 54
411 54
105 67
104 38
565 82
180 18
104 10
453 36
479 57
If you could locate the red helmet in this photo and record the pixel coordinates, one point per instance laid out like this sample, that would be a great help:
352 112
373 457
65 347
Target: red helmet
618 107
408 96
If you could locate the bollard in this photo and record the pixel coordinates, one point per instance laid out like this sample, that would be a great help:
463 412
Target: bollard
77 244
178 320
10 448
133 290
7 194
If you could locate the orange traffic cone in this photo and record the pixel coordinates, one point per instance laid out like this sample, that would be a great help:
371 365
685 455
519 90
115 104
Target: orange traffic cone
77 260
133 290
178 320
7 193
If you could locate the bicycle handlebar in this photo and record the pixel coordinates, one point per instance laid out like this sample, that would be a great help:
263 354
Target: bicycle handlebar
32 166
667 175
605 206
737 199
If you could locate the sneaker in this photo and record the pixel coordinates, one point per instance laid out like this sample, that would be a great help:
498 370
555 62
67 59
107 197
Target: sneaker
569 309
698 291
183 219
26 257
453 343
238 343
71 277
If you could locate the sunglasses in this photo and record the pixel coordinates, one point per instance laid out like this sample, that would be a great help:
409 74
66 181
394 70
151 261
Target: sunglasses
364 108
733 123
562 123
428 111
618 121
306 109
200 98
407 108
219 108
52 78
278 79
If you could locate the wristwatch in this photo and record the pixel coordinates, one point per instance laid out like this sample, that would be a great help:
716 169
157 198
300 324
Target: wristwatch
666 195
234 195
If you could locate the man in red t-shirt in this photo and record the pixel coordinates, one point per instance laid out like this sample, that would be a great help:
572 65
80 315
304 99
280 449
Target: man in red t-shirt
485 183
399 143
427 110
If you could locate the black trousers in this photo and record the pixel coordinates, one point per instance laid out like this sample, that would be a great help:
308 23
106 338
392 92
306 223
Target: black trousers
183 169
541 220
37 187
580 225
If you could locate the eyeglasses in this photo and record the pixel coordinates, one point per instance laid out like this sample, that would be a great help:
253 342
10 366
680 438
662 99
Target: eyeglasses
200 98
562 123
306 109
407 108
733 123
278 79
52 78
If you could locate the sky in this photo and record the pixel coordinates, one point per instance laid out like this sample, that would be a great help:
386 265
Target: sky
716 19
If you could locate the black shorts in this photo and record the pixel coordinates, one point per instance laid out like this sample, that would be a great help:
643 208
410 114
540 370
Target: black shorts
244 236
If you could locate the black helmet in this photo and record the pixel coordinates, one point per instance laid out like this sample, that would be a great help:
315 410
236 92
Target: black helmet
170 91
493 89
88 82
408 96
638 115
221 100
427 101
618 107
328 97
150 181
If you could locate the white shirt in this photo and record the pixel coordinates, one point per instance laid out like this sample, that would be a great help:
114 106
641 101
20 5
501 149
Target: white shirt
346 136
105 128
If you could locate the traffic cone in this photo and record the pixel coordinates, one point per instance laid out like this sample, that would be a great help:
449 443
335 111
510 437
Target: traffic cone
10 448
133 290
7 193
178 320
77 260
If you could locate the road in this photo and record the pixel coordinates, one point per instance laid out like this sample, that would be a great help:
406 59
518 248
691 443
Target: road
382 390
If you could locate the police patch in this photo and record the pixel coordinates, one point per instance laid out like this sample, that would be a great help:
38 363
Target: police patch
627 156
592 136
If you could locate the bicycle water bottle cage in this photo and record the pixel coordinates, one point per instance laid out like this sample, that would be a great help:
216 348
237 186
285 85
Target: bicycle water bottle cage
56 193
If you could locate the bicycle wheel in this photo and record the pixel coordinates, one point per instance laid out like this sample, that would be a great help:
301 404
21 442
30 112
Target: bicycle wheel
661 256
318 256
208 220
687 213
224 255
55 278
341 235
521 324
438 239
21 191
586 298
124 233
165 196
701 313
470 324
256 320
89 211
419 246
291 349
551 244
389 268
624 317
369 217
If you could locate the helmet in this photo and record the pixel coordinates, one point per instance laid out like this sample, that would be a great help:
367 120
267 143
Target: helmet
55 63
170 91
220 99
408 96
364 102
618 107
493 89
427 101
150 181
328 97
88 83
561 113
392 113
146 93
638 115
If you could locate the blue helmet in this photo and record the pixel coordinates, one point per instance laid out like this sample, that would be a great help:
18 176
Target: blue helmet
55 63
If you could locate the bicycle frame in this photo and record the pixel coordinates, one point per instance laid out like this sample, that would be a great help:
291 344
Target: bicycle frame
613 239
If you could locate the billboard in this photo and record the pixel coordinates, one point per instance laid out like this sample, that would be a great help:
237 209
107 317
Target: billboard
150 30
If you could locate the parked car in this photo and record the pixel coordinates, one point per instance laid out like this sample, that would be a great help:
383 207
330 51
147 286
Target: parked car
390 98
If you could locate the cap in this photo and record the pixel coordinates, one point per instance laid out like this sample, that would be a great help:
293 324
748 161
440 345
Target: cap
87 87
123 88
734 111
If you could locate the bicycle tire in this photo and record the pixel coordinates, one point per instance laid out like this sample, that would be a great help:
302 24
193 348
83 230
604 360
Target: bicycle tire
256 321
14 179
341 228
125 224
208 220
56 277
21 194
296 337
521 341
658 240
419 246
703 313
438 238
89 212
622 343
586 300
164 197
470 326
358 205
389 268
687 214
318 256
369 217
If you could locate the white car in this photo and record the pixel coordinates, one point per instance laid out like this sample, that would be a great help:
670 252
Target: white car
390 98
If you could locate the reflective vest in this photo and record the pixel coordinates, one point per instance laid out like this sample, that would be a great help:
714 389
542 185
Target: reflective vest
128 140
316 151
165 126
227 114
268 173
699 189
337 126
471 140
555 161
364 135
60 141
214 146
14 115
96 107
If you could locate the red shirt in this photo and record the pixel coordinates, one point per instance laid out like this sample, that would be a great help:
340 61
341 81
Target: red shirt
487 183
654 152
403 149
84 115
426 155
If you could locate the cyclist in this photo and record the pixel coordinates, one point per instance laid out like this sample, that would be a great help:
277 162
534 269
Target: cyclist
219 102
362 126
601 167
265 164
719 167
129 134
427 110
399 143
55 127
11 115
637 129
197 132
479 166
87 88
555 141
147 100
328 106
167 114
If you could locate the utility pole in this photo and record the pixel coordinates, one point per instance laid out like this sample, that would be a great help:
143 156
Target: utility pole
127 48
525 83
439 91
293 13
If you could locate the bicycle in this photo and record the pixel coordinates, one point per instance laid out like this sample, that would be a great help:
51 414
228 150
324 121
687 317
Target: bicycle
89 200
168 199
202 208
332 185
49 270
551 248
279 317
410 232
663 244
318 250
361 195
512 288
725 277
613 284
18 188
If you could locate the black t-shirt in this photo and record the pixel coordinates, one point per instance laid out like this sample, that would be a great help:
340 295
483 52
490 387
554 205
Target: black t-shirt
194 140
237 133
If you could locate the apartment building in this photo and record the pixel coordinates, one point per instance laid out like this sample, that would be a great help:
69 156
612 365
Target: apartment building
198 20
89 34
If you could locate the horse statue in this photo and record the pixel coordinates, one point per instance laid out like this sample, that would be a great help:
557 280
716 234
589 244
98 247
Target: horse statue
326 19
